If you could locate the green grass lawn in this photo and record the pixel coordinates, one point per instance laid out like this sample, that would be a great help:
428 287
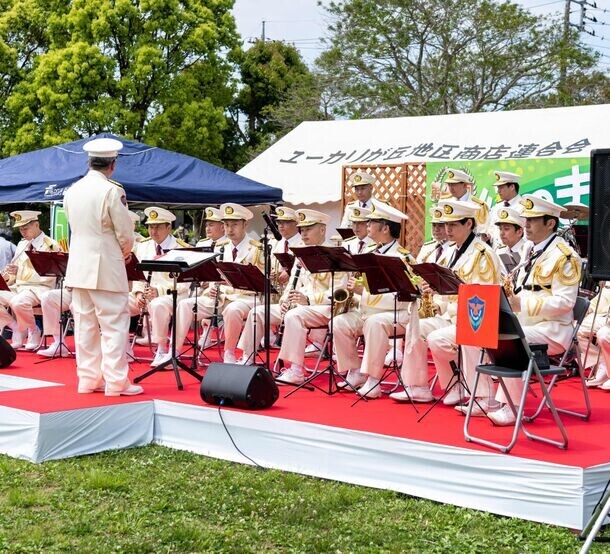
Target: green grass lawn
155 499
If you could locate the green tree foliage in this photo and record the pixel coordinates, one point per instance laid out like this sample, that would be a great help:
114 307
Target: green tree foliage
417 57
153 70
269 70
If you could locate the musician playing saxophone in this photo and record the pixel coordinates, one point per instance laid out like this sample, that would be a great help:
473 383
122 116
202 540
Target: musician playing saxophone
375 317
311 300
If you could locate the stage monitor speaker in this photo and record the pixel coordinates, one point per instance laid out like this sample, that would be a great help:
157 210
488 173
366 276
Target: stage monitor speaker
7 353
248 387
599 215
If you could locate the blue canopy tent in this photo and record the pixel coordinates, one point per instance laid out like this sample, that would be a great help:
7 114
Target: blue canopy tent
149 175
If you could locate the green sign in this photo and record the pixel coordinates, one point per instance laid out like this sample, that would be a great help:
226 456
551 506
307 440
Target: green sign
560 180
59 226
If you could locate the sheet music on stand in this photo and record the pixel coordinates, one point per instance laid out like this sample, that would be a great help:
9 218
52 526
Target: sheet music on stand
442 279
385 274
323 259
244 277
49 264
286 260
177 261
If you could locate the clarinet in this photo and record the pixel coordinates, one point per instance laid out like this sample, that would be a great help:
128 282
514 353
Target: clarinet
280 331
217 286
144 309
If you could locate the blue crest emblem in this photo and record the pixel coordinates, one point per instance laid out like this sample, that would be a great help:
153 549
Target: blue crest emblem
476 309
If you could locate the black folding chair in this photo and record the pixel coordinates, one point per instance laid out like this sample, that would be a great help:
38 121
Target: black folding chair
513 359
570 356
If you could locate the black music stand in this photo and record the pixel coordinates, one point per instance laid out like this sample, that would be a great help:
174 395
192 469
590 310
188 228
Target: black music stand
53 264
345 232
387 274
206 272
250 278
445 282
325 259
286 260
174 264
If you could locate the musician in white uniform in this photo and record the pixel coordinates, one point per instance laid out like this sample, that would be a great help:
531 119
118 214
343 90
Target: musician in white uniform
232 303
362 183
475 263
156 296
510 226
375 317
101 241
546 288
507 187
27 287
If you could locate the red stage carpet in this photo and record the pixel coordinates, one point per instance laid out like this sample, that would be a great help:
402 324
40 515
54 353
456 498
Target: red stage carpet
377 443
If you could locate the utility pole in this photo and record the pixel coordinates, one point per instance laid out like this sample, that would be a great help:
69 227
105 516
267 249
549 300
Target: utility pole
263 31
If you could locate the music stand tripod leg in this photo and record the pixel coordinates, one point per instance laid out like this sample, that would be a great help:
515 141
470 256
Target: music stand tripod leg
62 327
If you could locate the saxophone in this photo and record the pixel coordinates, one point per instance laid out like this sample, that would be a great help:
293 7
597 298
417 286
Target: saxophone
343 301
426 305
508 284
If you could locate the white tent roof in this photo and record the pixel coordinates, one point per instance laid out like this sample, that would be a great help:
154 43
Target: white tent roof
307 162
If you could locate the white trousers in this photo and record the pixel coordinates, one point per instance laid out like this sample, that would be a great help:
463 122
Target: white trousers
376 329
5 316
101 328
23 304
533 335
415 362
52 309
586 332
603 341
297 323
442 343
248 342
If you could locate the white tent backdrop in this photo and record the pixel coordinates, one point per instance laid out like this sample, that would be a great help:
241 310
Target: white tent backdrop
306 163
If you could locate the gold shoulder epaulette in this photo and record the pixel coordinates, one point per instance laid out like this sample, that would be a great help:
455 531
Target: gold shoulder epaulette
256 243
222 243
182 243
372 246
404 251
481 247
145 239
431 241
501 246
115 183
565 249
351 238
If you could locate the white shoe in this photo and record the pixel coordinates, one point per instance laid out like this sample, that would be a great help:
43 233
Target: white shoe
415 394
53 351
131 390
291 376
160 358
504 416
605 386
246 360
34 339
208 342
480 408
389 357
143 341
370 389
229 357
17 340
313 350
601 377
457 395
353 378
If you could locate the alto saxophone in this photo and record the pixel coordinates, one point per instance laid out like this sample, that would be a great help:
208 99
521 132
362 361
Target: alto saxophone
508 284
426 305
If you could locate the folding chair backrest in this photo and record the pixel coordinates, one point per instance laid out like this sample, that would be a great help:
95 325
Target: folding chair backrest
513 351
580 309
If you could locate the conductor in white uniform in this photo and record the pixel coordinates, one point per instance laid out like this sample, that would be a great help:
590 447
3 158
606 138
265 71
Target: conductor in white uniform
102 238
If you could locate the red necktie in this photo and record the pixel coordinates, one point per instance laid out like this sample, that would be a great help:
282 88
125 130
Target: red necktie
285 246
361 247
30 247
234 253
439 251
507 204
159 251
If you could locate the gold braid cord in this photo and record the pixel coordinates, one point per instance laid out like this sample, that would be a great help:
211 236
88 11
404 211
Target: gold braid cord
484 265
